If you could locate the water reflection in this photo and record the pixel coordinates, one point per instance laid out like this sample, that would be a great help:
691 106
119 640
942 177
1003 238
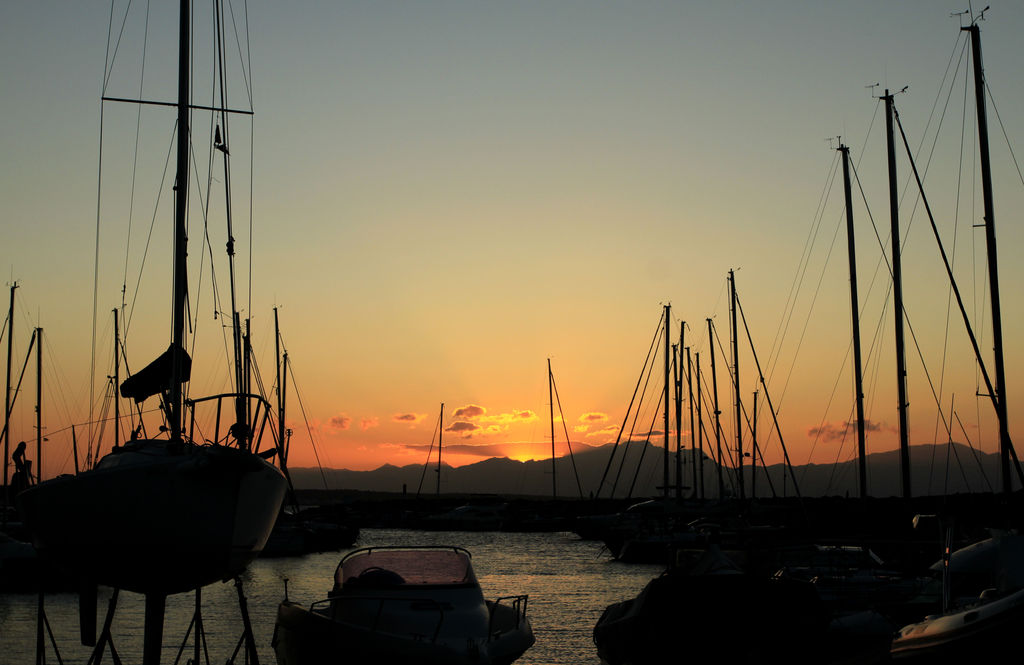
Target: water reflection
570 582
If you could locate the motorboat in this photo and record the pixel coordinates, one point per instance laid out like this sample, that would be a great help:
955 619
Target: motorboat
987 628
404 605
713 610
976 625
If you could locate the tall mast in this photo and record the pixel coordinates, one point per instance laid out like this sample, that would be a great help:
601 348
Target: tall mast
693 434
246 386
440 435
897 290
664 482
736 384
7 392
285 433
39 405
551 401
993 272
718 413
117 382
180 286
754 451
677 383
699 425
280 387
855 312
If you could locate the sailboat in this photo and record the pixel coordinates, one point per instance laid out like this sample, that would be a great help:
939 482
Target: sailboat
175 512
986 626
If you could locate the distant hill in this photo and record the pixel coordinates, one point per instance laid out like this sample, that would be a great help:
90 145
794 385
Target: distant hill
968 471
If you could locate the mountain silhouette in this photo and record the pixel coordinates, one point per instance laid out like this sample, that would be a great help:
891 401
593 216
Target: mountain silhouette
935 469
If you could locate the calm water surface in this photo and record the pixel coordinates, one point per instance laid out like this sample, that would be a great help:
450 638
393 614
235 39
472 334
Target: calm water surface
570 582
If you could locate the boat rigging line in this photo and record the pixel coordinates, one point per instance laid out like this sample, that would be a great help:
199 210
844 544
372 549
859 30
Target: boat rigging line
993 392
723 452
789 308
305 420
636 414
430 451
643 449
565 428
768 397
625 418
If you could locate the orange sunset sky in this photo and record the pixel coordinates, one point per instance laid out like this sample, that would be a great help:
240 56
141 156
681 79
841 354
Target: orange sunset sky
439 197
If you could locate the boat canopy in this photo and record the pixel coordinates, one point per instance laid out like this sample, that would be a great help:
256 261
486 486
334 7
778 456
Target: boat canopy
156 376
427 566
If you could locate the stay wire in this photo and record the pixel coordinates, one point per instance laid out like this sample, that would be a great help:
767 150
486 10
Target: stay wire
731 435
649 368
805 255
568 443
625 418
974 452
1006 137
309 430
135 158
430 452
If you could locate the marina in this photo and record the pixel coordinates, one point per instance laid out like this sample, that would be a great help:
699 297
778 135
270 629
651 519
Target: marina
569 582
707 509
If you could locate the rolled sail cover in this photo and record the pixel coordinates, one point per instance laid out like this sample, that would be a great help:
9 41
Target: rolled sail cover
156 377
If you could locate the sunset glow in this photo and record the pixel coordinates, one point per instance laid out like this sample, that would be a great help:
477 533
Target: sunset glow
446 196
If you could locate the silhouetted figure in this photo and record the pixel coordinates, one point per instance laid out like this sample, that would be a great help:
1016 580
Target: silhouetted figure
22 477
19 458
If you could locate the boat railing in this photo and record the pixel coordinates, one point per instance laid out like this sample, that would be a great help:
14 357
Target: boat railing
518 604
250 435
330 608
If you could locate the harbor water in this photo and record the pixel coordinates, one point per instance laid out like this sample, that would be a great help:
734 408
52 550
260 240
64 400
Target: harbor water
569 581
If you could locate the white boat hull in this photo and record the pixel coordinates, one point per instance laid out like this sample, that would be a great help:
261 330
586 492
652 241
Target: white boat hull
983 631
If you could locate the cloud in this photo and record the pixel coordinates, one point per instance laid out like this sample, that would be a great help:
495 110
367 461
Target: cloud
340 421
580 428
480 451
524 415
368 423
465 428
593 417
470 411
830 432
411 418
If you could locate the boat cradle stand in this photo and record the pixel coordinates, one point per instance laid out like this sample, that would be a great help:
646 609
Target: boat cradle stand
153 635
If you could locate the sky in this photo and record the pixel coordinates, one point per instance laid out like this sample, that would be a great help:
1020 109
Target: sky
439 197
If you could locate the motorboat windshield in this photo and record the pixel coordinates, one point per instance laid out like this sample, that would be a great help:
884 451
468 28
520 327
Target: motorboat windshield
375 567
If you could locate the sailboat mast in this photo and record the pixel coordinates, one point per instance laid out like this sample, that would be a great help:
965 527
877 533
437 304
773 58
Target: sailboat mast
699 425
993 272
897 290
39 405
693 434
286 434
718 412
280 388
736 384
664 482
117 382
677 384
180 286
551 403
862 472
754 451
440 435
7 393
